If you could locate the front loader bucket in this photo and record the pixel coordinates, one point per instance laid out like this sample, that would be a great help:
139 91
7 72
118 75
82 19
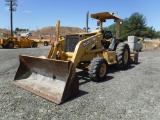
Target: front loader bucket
54 80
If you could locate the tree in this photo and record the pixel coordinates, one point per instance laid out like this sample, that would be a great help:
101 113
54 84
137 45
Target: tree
150 32
137 24
17 29
158 34
125 29
134 25
111 28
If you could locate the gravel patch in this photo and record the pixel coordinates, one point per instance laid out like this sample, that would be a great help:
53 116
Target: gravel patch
124 95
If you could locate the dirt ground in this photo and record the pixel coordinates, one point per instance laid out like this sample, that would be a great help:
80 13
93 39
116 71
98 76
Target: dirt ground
151 45
132 94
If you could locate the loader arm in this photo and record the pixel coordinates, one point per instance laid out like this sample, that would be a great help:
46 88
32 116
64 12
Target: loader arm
57 46
85 46
56 49
53 50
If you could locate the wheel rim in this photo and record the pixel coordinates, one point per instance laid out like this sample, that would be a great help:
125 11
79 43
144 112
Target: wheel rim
125 56
102 70
11 45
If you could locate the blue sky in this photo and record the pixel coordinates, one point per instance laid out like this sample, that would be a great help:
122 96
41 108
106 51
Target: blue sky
36 14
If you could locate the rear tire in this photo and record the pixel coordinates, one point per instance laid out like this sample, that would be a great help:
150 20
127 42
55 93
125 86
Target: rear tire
98 69
10 45
122 56
34 44
45 43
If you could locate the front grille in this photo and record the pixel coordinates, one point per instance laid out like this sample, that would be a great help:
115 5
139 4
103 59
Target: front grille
70 43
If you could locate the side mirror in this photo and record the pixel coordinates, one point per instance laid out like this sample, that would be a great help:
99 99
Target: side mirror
98 23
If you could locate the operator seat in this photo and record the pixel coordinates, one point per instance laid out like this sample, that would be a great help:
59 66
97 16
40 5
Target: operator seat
107 35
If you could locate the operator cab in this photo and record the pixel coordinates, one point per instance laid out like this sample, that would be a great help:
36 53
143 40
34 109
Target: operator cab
102 17
108 42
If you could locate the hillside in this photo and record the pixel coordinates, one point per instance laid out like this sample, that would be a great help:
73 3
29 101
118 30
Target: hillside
51 30
4 31
63 30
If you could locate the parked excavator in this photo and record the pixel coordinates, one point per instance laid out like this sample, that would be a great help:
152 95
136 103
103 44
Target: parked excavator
54 77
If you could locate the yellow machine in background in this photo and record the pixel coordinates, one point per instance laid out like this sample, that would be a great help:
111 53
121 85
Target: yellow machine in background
54 77
42 40
7 41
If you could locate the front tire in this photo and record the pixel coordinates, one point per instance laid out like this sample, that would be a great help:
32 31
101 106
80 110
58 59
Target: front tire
98 69
34 44
122 56
10 45
45 43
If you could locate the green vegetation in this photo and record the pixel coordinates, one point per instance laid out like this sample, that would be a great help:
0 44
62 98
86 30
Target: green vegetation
136 25
20 29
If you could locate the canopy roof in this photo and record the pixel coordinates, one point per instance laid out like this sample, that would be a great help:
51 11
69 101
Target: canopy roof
104 15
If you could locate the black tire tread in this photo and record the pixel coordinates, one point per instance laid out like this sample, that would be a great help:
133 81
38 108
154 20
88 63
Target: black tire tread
94 68
8 46
119 54
45 43
35 44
